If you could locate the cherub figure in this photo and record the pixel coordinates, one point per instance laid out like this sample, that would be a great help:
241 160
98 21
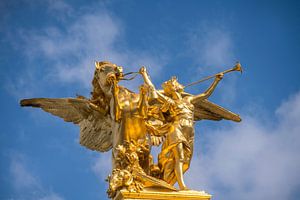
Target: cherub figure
177 148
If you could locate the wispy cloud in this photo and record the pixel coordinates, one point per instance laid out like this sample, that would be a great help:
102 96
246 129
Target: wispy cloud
27 185
51 196
60 8
73 50
23 86
253 159
212 49
67 52
102 165
21 177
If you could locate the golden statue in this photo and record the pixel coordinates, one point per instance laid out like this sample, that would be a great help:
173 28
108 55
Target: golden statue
129 124
177 149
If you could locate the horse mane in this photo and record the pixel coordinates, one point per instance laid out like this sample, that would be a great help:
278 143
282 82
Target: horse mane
97 94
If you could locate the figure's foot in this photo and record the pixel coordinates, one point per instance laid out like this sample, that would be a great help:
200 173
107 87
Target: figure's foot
184 188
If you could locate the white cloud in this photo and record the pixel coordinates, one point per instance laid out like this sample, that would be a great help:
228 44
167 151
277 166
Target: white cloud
51 196
20 176
72 50
22 85
253 159
102 165
60 9
212 49
26 185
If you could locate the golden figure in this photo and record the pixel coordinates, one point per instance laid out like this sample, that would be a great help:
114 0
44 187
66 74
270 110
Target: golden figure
177 149
129 123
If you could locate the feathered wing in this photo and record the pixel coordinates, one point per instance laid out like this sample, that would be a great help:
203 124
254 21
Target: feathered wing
95 124
205 109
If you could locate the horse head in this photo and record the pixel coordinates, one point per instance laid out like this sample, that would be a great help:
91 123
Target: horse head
104 71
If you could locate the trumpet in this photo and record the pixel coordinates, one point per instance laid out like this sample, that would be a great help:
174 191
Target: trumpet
237 67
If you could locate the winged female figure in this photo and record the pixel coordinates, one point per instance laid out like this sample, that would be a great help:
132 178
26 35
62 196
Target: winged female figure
181 110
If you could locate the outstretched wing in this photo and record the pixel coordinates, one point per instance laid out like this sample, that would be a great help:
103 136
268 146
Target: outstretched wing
205 109
95 124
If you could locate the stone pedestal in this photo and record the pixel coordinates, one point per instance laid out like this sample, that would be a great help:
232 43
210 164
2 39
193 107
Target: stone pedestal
160 194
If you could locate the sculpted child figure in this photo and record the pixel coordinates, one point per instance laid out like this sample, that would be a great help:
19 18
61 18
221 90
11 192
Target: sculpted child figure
177 148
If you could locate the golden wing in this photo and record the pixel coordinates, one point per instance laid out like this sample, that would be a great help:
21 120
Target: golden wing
205 109
95 123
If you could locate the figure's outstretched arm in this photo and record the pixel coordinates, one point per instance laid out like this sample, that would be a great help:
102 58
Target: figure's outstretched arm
148 82
209 91
153 93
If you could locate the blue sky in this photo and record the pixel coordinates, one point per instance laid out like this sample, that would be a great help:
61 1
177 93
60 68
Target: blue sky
48 49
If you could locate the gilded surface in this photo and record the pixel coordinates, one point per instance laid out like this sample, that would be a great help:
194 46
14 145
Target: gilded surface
152 194
131 123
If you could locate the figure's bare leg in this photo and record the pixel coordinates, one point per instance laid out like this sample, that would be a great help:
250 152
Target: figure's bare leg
179 156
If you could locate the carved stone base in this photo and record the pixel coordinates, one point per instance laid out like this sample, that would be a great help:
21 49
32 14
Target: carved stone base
160 194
